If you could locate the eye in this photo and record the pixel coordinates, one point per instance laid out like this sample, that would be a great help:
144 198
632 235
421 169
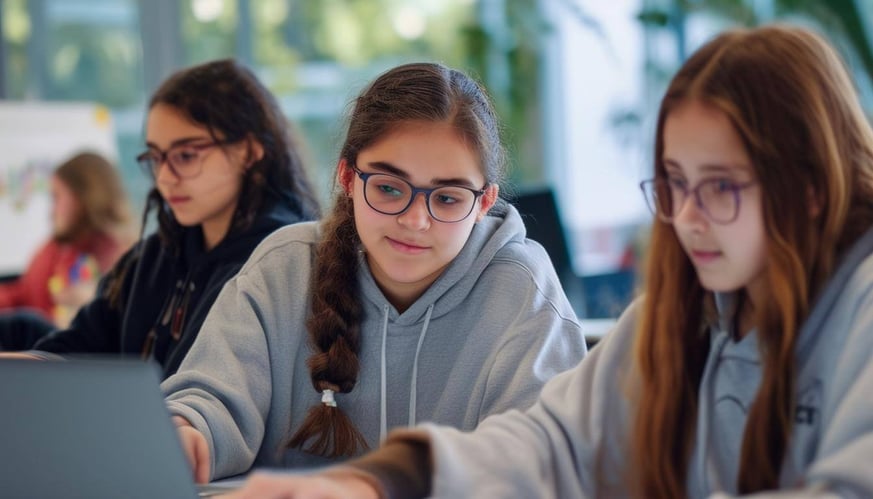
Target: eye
388 190
450 196
149 157
446 199
723 185
677 183
184 156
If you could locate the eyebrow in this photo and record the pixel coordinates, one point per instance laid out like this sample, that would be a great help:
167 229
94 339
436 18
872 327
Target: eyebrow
179 142
711 167
385 167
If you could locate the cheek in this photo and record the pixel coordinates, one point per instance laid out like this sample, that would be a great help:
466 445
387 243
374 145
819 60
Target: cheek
453 237
64 209
224 183
367 221
749 240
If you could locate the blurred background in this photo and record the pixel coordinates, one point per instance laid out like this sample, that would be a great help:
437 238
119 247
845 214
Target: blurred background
576 82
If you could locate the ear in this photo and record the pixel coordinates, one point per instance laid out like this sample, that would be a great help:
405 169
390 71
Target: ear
254 150
345 177
488 200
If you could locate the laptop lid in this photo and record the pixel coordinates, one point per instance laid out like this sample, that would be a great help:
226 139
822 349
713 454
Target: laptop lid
88 428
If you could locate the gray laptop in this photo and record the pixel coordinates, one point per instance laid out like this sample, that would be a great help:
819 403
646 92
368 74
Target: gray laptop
88 428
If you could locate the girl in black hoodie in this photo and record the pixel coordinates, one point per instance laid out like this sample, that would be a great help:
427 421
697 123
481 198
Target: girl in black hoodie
226 175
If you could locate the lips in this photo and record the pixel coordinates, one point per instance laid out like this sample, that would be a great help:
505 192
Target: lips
178 199
407 247
704 256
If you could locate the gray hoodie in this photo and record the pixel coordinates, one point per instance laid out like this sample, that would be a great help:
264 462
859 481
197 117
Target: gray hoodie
572 442
484 338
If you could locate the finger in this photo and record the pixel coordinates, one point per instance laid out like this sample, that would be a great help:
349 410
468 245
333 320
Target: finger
201 458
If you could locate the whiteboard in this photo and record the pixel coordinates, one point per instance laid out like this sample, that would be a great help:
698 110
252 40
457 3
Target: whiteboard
35 137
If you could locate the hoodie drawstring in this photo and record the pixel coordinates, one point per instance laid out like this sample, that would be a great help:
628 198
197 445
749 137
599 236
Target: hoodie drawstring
413 388
383 428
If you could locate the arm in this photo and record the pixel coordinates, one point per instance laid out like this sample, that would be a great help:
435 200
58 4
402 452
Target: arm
540 346
10 293
545 452
24 291
538 334
223 387
96 327
569 444
331 484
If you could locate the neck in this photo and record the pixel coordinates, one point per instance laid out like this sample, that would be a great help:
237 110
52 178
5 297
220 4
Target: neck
214 233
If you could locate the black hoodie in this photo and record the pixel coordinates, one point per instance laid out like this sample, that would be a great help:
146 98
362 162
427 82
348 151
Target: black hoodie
165 295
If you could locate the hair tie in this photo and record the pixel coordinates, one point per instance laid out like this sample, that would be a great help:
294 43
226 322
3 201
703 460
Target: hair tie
327 398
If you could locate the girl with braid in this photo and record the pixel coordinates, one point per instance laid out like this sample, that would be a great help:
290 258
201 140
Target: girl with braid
745 368
417 299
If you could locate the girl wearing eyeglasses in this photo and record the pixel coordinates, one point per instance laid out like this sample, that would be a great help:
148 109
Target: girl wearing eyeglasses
746 366
226 174
417 299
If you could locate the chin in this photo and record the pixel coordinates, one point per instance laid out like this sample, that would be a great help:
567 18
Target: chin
719 287
186 221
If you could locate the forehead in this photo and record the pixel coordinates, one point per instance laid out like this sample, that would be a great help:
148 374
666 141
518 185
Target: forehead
426 151
166 124
699 137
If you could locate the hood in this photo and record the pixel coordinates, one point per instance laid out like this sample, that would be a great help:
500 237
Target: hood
487 238
822 304
238 242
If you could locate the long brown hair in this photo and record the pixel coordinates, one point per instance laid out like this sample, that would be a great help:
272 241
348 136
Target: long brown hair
97 186
790 99
226 98
413 92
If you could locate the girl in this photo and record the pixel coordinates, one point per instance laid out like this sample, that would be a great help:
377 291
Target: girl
408 303
90 223
746 365
226 175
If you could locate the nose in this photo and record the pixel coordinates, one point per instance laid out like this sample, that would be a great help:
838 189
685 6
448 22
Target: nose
165 173
689 214
416 217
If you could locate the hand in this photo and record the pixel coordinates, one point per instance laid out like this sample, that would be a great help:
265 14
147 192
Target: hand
329 485
76 295
19 355
195 447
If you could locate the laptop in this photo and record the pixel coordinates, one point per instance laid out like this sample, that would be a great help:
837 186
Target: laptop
88 428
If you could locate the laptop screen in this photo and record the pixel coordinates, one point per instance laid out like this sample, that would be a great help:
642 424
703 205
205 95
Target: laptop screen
88 428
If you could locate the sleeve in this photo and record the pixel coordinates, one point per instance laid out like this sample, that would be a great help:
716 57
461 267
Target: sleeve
539 346
25 291
96 327
10 293
401 468
224 385
569 444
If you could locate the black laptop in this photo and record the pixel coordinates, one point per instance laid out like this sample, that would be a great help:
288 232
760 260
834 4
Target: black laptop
88 428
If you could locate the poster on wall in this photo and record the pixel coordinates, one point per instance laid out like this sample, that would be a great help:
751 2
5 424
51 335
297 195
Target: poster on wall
35 137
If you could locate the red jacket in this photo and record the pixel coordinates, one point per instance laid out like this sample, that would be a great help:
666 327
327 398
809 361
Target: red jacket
66 263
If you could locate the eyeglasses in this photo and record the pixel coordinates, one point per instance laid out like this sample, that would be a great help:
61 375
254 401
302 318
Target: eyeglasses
392 195
718 199
185 160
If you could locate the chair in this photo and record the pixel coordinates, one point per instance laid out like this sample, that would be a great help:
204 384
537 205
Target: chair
542 219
